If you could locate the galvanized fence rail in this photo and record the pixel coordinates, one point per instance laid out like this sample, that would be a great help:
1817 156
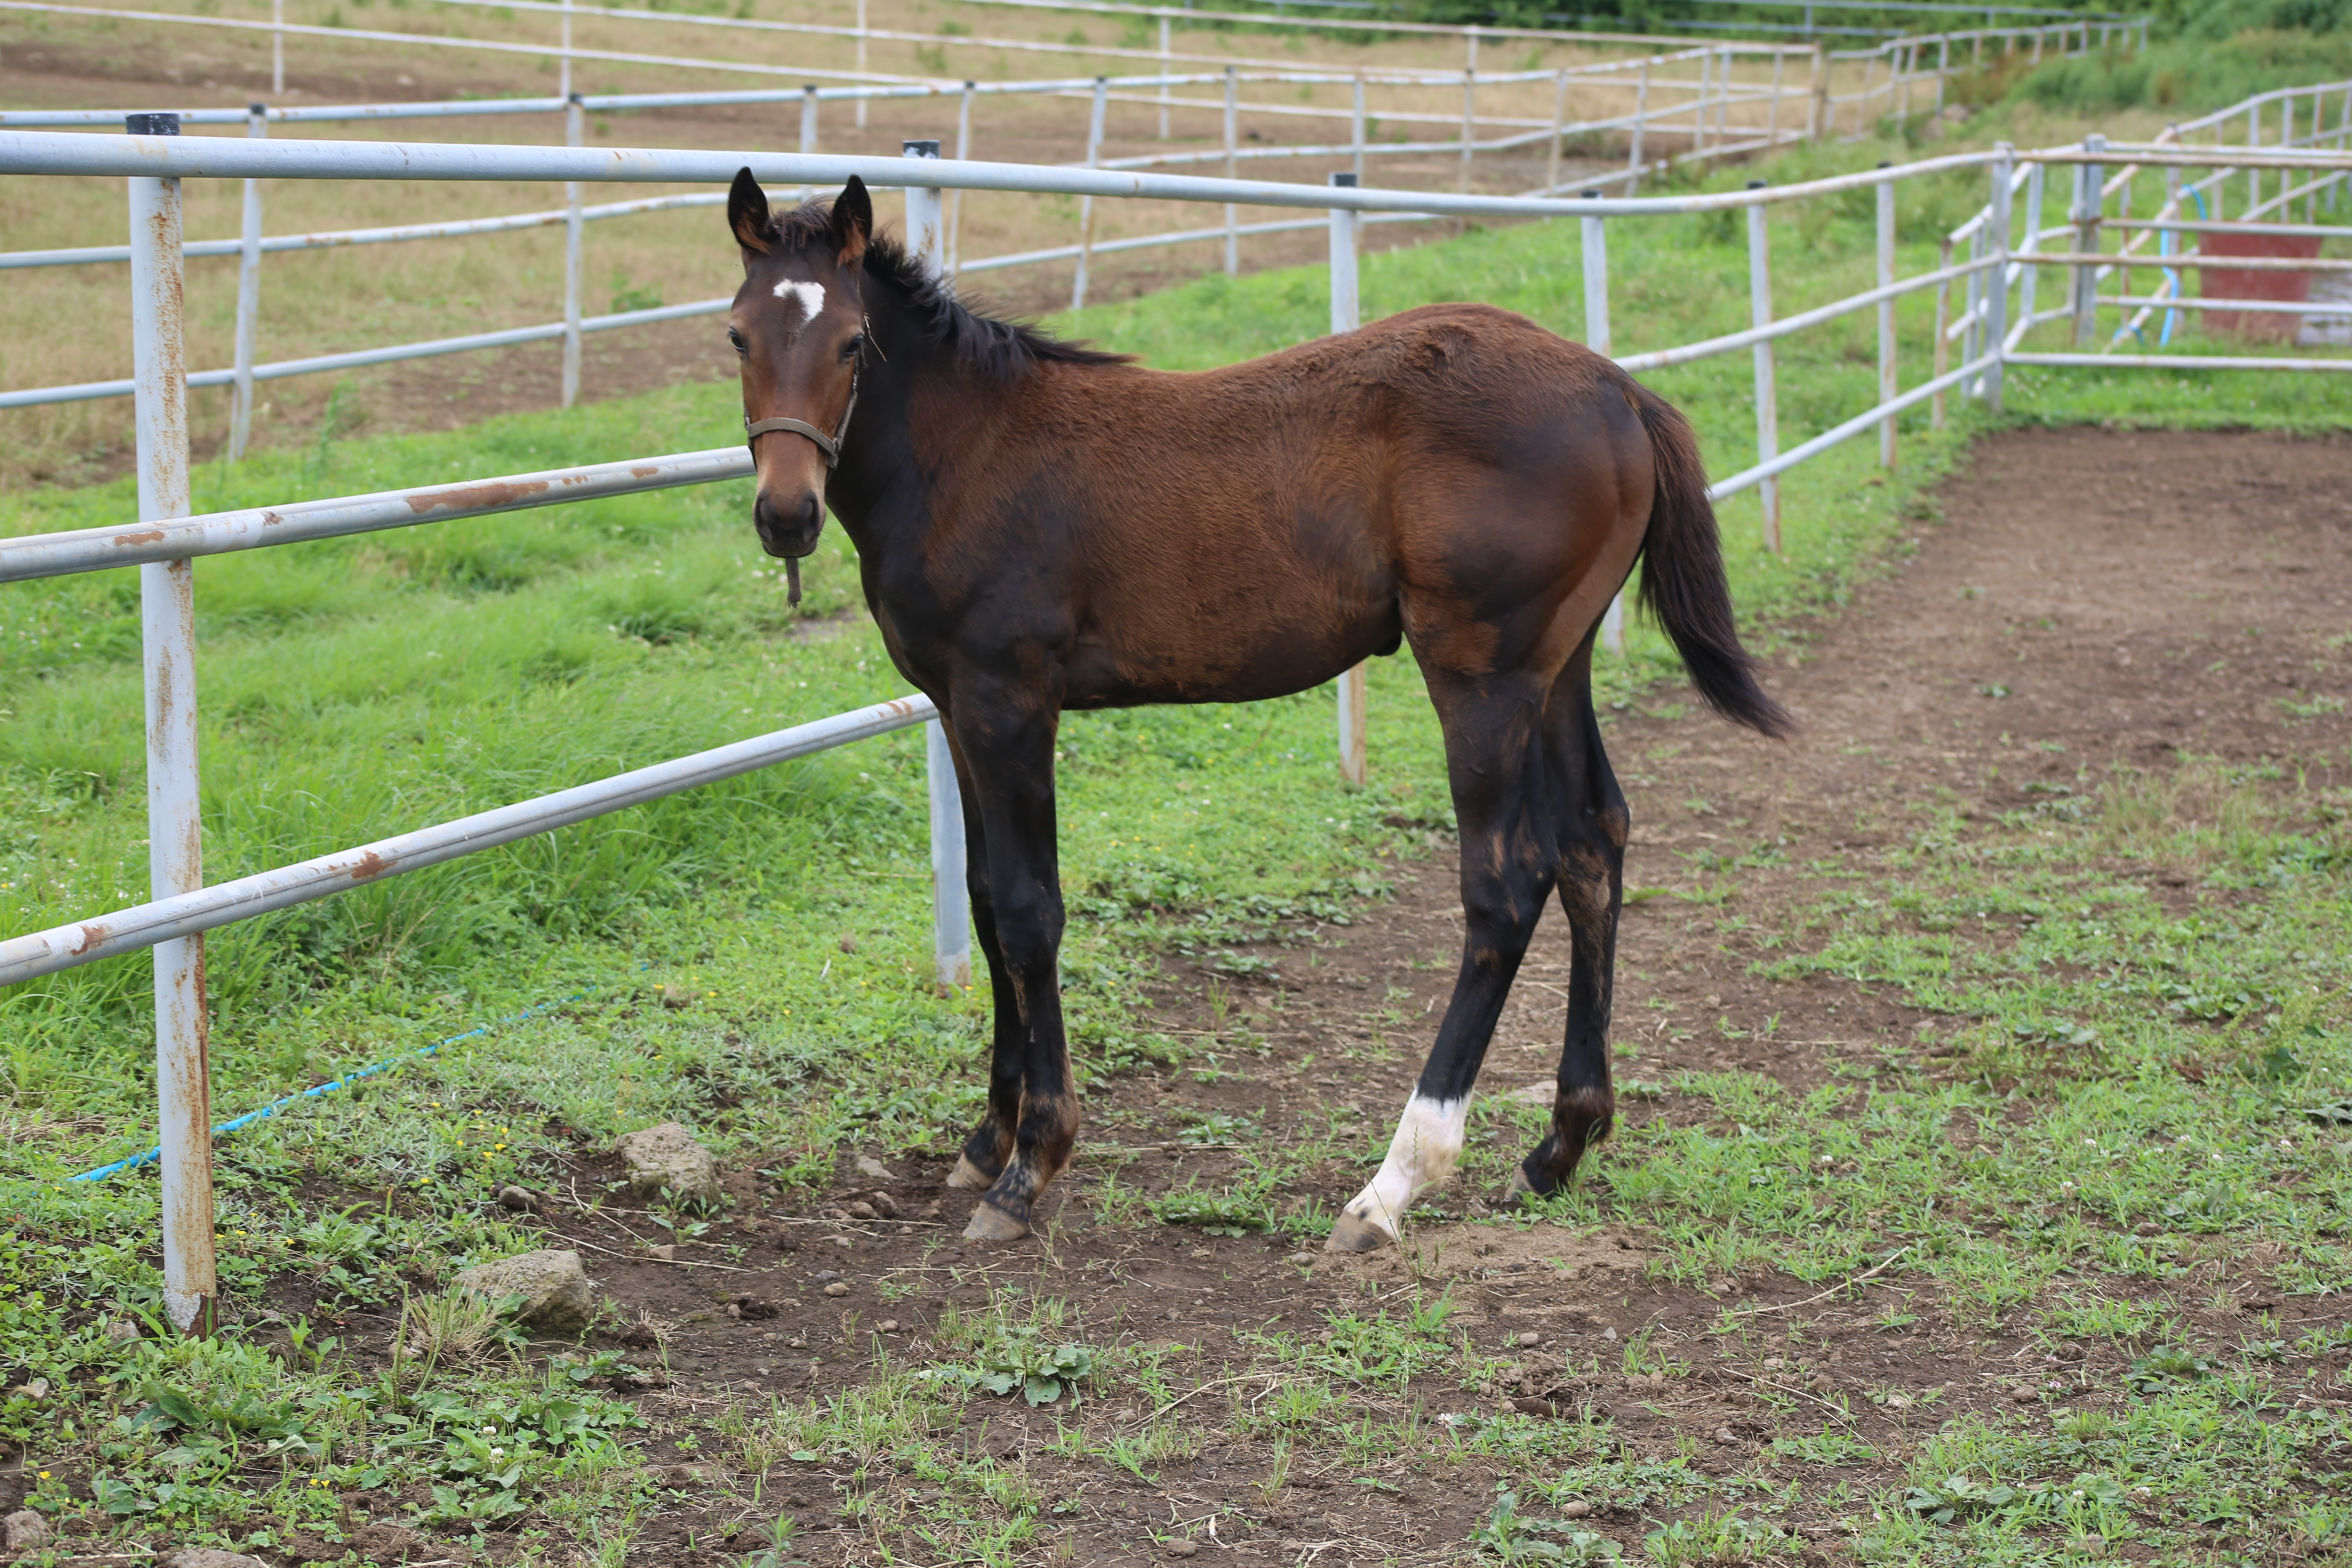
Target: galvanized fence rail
1696 125
155 161
1696 114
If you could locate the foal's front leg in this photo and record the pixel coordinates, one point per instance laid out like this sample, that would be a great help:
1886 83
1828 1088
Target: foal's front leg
1006 740
990 1144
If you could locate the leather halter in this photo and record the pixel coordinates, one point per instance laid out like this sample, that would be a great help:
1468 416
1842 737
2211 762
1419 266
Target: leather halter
829 445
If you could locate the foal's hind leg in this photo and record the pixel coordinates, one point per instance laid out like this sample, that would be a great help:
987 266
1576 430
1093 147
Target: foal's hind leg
1495 759
1590 812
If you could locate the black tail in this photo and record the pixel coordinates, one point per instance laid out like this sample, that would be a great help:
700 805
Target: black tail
1682 584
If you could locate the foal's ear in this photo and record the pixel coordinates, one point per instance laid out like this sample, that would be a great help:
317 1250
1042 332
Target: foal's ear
746 214
853 222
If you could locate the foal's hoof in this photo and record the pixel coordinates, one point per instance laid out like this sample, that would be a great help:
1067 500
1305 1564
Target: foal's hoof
1533 1180
990 1223
1349 1234
966 1174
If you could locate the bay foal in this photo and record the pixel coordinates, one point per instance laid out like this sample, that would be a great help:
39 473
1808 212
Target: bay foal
1042 527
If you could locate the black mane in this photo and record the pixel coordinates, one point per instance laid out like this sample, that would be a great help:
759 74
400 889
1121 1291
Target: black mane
998 349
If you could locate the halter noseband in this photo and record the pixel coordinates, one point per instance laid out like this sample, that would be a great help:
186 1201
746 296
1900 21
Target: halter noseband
829 445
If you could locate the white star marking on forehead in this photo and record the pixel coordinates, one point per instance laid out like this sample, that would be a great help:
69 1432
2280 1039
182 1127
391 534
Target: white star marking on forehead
810 296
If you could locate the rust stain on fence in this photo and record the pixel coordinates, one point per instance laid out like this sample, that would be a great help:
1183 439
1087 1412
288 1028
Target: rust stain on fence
144 536
483 497
370 865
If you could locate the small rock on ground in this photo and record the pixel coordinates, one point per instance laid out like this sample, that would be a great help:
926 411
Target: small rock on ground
208 1557
24 1531
867 1165
665 1158
552 1285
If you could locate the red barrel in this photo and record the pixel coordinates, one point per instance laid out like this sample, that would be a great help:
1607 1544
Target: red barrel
2232 283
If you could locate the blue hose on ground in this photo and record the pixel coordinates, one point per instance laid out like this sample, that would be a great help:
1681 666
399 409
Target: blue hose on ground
2164 242
275 1106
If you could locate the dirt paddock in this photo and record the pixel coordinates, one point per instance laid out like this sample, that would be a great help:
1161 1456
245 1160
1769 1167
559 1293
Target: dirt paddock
2089 600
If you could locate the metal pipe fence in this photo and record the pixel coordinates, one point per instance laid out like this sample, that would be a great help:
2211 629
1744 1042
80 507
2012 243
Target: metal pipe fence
1712 98
1657 122
154 161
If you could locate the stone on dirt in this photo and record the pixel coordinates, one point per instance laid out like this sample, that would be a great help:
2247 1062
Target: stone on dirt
665 1158
209 1557
552 1285
867 1165
24 1531
522 1200
1183 1549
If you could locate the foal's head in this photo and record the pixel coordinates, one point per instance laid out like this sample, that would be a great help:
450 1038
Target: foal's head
799 327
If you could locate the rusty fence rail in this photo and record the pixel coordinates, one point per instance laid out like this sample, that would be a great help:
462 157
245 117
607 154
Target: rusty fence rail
162 545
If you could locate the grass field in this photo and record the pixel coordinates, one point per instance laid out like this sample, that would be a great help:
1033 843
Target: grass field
357 688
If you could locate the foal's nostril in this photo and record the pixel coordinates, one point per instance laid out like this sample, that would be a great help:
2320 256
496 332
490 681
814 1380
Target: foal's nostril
789 529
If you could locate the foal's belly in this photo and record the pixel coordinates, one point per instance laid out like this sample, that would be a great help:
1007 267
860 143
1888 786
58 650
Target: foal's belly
1222 663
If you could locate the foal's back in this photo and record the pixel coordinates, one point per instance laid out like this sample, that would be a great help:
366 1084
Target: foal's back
1232 534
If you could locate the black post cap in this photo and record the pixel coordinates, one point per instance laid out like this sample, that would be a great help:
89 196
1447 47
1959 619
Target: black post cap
1339 178
257 108
920 148
1756 184
161 122
1590 195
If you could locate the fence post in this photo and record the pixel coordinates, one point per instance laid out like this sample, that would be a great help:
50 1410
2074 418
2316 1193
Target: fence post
1558 119
954 262
248 298
278 48
1167 69
861 62
1356 131
1699 111
1817 119
174 828
2088 179
1772 109
574 234
2253 176
1641 123
1597 337
1997 279
1767 401
1886 375
1941 361
950 896
808 129
1232 142
924 234
2029 279
1087 204
564 65
1469 116
1347 314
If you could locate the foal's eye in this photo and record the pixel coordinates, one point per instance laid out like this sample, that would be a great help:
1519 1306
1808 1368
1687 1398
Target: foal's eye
736 339
855 347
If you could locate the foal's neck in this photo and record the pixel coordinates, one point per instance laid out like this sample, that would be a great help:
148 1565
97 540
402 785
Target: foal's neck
880 491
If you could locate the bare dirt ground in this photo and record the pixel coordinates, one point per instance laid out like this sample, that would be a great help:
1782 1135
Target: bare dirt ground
2090 600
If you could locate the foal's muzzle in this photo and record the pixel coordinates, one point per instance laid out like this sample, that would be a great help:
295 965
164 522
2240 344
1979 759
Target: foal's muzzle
789 531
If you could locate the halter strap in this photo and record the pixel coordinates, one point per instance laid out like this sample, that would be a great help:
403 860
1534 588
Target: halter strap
829 445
